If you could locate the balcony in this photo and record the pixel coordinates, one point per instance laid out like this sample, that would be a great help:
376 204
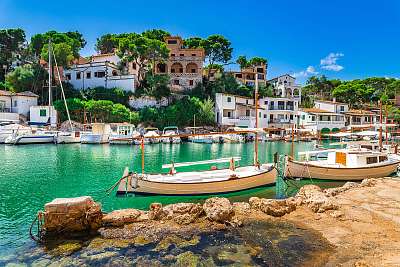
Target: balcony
288 108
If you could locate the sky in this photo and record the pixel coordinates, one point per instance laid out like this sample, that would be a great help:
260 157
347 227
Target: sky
345 39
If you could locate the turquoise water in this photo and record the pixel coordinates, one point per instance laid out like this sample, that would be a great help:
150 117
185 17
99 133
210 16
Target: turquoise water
32 175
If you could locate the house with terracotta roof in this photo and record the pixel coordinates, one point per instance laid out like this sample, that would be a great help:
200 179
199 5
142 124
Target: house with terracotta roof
15 105
332 106
319 120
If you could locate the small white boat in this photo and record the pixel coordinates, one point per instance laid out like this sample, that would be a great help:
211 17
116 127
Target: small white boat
34 137
343 164
152 135
137 139
234 138
123 134
100 134
168 135
9 129
68 137
199 182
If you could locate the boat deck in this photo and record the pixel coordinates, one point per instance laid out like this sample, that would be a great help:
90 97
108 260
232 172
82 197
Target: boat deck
195 177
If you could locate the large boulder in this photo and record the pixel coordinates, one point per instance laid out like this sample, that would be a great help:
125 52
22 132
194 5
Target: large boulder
183 213
370 182
273 207
315 199
121 217
68 215
156 211
330 192
218 209
241 208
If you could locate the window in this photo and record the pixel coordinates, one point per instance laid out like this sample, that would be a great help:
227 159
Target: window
291 116
312 118
176 82
247 102
260 70
265 116
42 113
265 102
99 74
372 160
247 113
172 41
172 70
134 65
180 70
382 158
15 103
303 117
229 114
182 55
229 99
68 76
190 82
341 108
259 114
239 75
193 55
172 55
88 75
78 75
193 70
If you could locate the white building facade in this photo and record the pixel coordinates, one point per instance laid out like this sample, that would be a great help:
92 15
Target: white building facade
318 120
273 112
102 71
41 115
14 105
331 106
285 86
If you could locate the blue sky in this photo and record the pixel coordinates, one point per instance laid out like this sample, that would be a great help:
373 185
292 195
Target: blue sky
344 39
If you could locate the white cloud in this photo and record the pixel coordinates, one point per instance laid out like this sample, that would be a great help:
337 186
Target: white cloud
305 73
330 62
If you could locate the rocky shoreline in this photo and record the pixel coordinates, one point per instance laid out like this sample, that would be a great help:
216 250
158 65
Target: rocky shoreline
359 221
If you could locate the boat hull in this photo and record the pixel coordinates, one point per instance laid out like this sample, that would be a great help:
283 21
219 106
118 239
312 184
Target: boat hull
305 170
94 139
200 188
24 140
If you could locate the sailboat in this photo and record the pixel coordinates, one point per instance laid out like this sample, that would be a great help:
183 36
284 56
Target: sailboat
213 181
36 136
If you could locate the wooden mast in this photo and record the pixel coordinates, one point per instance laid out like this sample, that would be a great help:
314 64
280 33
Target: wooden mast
256 134
380 126
292 147
386 127
142 148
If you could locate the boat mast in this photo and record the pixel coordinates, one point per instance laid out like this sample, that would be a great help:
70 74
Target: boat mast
256 108
380 126
50 78
62 91
142 148
386 127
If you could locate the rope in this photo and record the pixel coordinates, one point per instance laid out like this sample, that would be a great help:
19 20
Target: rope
38 220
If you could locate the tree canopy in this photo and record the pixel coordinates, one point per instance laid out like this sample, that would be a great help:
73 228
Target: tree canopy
11 45
255 61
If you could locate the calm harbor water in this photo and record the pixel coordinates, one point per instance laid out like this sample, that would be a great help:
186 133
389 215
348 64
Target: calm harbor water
32 175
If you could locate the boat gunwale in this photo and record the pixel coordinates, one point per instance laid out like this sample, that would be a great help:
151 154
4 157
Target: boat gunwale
347 168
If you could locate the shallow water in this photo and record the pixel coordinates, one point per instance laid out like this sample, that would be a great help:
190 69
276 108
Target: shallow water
33 175
258 243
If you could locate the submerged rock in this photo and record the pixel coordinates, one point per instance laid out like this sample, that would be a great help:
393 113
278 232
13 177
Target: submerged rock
187 259
273 207
121 217
315 199
65 249
218 209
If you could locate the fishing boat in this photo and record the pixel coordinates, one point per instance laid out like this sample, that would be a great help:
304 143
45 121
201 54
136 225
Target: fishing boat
213 181
100 134
68 137
198 138
343 164
233 137
169 135
138 139
152 135
123 133
198 182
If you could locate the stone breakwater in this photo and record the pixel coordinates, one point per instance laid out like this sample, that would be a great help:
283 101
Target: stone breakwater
359 223
83 215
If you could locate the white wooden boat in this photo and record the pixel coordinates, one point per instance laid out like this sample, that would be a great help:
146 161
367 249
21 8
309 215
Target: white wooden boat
152 135
199 182
344 164
68 137
100 134
169 137
123 134
7 130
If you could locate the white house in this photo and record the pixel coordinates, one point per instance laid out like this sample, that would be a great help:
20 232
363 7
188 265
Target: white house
331 106
285 86
319 120
40 115
12 105
102 71
273 112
